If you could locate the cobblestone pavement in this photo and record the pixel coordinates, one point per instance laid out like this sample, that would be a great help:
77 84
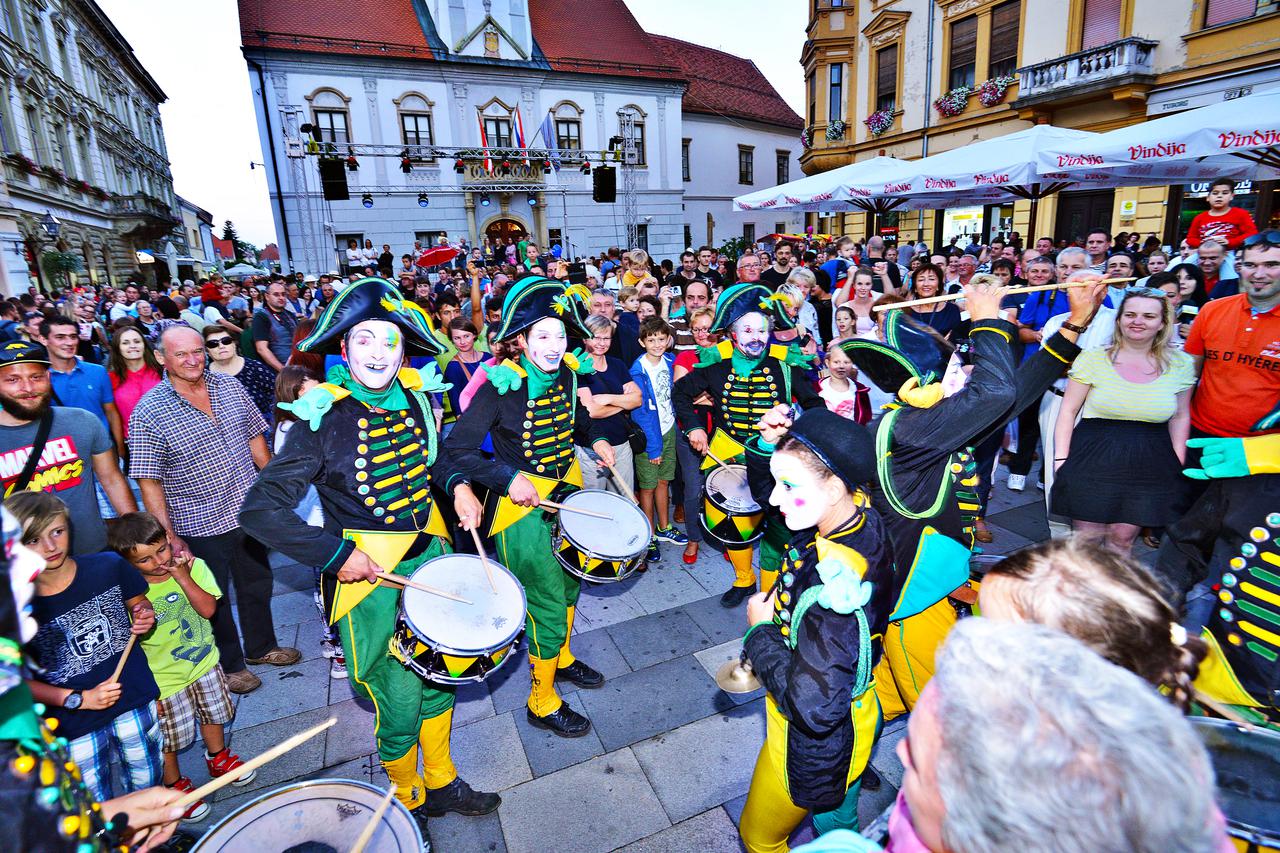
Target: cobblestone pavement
666 766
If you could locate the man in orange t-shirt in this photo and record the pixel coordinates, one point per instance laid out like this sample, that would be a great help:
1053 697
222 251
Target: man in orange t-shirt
1236 344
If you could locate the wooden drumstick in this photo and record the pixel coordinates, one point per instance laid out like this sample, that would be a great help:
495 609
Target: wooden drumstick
484 560
1222 710
133 639
622 484
403 581
726 466
566 508
270 755
950 297
367 832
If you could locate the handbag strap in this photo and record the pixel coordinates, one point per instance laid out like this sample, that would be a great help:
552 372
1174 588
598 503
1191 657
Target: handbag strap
37 450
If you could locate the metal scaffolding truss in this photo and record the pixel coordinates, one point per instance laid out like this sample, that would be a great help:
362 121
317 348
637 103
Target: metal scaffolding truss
298 146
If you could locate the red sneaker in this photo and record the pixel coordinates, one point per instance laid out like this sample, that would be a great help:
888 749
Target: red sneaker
224 762
199 810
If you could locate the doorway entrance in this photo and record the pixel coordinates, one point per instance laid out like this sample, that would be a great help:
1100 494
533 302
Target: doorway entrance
500 229
1078 212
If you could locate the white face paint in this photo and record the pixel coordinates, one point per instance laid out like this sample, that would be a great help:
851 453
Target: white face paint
24 565
797 492
545 343
374 350
955 377
751 334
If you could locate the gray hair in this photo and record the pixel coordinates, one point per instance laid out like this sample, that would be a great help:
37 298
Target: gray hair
604 291
1211 242
1073 250
1046 746
803 277
597 324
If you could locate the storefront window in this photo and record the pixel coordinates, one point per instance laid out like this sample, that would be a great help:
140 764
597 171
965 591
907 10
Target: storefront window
961 222
1193 203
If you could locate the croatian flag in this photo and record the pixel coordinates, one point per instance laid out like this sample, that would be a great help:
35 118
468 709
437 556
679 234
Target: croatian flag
520 140
484 144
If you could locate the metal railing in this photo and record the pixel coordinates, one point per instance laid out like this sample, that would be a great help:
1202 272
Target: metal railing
1126 57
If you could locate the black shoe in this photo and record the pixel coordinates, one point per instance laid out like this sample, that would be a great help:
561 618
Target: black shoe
735 595
458 797
179 842
870 779
420 817
580 674
565 722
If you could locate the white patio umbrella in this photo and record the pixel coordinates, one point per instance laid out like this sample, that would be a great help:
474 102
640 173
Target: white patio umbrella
1236 138
834 191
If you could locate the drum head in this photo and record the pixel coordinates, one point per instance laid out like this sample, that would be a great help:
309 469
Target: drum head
325 813
728 485
1247 766
626 534
488 623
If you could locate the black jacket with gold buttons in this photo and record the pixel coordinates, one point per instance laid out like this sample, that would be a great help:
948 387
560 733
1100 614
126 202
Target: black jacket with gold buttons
741 400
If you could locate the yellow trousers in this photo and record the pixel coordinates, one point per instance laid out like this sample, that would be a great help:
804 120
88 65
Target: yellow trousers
910 647
770 816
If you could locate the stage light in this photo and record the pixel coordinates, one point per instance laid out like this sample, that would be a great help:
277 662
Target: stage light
406 165
366 200
423 201
586 166
459 166
484 199
532 199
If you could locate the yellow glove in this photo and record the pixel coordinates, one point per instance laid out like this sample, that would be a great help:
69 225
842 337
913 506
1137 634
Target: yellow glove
919 397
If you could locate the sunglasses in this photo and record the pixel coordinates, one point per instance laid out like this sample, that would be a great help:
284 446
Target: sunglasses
218 342
1268 238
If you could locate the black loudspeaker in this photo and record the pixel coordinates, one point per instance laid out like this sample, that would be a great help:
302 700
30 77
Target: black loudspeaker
604 184
333 179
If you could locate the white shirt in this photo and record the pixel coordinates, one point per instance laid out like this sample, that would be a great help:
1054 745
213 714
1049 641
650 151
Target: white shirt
660 379
1097 334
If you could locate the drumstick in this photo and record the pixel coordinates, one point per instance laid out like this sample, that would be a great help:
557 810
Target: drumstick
726 466
1222 710
566 508
270 755
115 676
948 297
622 484
484 560
367 832
403 581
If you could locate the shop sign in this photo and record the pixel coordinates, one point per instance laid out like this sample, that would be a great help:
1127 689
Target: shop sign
1200 189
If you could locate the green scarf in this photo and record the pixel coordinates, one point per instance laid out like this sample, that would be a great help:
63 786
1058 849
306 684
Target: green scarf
744 366
537 380
391 398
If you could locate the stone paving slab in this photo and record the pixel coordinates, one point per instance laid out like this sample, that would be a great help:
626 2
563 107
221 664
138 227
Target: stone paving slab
601 606
721 624
489 755
577 809
667 585
285 690
717 656
658 637
547 752
710 832
704 763
1027 521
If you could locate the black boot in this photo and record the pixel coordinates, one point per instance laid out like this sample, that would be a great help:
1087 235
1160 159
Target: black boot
460 798
870 779
735 595
581 674
565 722
420 817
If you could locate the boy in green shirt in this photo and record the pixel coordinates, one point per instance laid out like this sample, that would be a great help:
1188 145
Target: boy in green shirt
181 651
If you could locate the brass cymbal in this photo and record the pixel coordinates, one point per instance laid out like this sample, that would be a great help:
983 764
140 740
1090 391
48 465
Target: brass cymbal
737 677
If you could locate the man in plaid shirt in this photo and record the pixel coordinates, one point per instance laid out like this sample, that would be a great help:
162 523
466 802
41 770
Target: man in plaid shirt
195 446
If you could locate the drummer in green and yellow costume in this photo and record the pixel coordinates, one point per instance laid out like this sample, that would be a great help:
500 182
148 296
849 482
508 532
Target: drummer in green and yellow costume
368 444
529 408
744 377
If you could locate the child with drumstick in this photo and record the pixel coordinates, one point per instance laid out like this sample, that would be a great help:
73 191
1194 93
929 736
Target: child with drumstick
815 636
181 652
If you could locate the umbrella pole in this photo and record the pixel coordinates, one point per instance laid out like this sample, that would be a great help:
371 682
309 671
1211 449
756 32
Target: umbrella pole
1031 221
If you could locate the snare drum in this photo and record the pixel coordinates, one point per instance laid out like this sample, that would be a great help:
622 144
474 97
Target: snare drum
1247 766
730 515
454 643
323 814
597 549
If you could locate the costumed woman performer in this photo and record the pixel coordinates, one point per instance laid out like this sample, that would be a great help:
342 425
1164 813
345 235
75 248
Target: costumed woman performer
815 637
926 479
529 407
370 451
743 377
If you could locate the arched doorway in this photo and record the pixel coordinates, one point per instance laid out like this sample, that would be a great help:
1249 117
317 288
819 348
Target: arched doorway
500 229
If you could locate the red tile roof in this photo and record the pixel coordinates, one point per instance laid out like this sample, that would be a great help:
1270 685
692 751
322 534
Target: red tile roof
723 84
597 37
389 28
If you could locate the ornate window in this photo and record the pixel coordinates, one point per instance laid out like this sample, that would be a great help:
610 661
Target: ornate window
416 128
35 35
330 113
568 126
887 78
638 113
495 117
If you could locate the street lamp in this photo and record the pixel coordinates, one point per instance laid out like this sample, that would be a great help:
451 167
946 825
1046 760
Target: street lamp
50 225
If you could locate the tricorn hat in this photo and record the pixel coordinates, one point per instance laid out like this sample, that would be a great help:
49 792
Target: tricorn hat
910 351
535 298
371 299
746 298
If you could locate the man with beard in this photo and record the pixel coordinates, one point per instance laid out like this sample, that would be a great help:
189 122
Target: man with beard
367 443
73 451
744 378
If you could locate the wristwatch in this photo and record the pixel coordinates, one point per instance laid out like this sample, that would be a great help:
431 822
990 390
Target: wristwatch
1072 327
73 700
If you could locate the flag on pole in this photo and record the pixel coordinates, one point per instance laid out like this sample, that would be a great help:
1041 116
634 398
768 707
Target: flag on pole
548 134
484 145
521 143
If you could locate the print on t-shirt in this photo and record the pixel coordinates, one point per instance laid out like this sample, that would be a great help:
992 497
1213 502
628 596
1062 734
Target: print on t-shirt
60 466
81 638
191 639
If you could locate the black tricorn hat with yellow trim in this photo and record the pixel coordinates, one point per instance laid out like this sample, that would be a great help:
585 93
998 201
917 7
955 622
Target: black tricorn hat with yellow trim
535 298
909 351
371 299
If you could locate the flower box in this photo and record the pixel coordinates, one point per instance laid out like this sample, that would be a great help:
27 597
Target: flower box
879 121
954 102
835 130
993 91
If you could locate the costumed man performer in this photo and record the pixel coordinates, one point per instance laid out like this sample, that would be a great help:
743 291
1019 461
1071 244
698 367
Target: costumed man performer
744 377
815 637
370 450
926 478
529 408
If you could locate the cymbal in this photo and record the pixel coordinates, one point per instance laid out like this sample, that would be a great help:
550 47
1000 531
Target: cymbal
737 677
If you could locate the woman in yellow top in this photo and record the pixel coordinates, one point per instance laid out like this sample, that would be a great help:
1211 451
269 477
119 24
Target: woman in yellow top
1118 469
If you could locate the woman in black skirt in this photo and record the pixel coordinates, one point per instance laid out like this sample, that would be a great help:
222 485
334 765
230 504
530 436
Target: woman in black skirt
1119 468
